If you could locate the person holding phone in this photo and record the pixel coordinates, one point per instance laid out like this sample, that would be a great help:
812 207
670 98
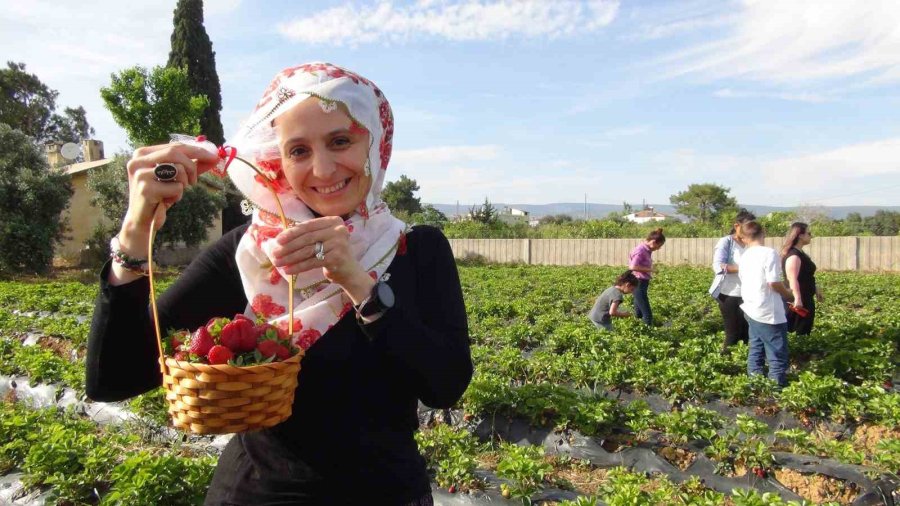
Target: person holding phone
378 306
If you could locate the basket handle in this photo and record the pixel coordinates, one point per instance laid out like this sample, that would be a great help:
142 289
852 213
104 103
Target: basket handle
291 279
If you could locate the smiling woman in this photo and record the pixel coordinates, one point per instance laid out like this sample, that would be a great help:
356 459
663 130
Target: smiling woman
378 310
326 157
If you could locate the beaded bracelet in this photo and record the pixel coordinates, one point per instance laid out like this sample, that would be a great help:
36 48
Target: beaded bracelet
118 256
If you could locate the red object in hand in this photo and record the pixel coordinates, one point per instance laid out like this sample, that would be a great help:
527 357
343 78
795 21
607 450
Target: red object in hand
801 311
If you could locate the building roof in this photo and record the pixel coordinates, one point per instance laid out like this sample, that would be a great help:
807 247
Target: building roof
649 213
75 168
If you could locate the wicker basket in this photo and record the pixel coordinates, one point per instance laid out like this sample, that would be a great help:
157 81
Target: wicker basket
222 398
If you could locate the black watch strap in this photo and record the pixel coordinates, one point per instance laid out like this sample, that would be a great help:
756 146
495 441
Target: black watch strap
380 299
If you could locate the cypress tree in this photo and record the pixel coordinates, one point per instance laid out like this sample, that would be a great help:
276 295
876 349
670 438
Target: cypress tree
191 48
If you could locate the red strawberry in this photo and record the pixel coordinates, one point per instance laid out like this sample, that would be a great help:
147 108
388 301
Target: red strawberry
201 342
452 489
267 348
239 336
219 355
283 352
182 356
214 326
249 334
240 316
262 331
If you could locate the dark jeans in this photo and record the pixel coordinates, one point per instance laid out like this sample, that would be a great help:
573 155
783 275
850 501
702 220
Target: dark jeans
768 343
736 328
642 301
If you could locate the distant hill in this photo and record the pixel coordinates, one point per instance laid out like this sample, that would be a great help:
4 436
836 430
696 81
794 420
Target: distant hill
577 210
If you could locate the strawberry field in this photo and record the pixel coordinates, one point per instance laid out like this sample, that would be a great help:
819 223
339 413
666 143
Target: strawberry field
557 412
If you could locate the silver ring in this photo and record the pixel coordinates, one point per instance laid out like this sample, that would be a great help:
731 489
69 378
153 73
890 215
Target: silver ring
320 250
165 172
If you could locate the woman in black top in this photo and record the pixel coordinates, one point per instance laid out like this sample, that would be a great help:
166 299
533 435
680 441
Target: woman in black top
800 272
324 135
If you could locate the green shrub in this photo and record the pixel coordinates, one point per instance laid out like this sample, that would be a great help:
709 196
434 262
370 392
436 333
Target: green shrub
32 199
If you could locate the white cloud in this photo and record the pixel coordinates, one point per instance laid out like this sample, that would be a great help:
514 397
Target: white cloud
439 155
834 172
800 41
815 98
866 173
461 21
679 18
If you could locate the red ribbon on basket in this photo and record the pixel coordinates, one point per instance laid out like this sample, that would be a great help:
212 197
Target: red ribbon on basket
226 154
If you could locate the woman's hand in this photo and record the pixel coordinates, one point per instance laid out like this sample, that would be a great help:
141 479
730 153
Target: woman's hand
145 193
296 252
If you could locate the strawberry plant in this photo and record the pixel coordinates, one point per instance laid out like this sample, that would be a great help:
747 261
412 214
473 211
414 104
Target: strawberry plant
450 454
812 395
144 479
887 455
690 424
524 467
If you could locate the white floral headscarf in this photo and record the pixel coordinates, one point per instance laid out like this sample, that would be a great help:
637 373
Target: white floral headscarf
375 235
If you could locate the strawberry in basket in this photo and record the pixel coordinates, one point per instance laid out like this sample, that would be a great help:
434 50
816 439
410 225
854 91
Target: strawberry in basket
238 341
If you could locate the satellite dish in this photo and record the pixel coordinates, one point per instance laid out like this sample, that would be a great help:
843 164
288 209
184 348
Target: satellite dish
70 151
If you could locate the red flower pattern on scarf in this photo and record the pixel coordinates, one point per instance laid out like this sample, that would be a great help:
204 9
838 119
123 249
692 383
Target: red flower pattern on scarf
261 233
401 244
387 139
269 218
308 338
265 306
282 326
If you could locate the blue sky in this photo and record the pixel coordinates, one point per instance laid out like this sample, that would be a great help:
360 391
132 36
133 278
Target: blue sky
786 103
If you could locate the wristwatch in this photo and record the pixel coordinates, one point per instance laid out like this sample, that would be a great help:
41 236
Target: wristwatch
380 299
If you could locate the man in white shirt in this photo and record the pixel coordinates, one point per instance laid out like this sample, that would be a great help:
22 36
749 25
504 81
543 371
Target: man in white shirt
762 291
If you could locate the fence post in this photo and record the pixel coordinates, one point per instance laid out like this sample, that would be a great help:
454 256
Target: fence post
526 251
856 253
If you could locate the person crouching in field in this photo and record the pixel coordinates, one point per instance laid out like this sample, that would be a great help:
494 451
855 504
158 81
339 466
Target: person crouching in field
762 291
607 304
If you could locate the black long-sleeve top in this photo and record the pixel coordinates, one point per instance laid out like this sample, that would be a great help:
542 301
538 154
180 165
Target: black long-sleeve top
354 411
